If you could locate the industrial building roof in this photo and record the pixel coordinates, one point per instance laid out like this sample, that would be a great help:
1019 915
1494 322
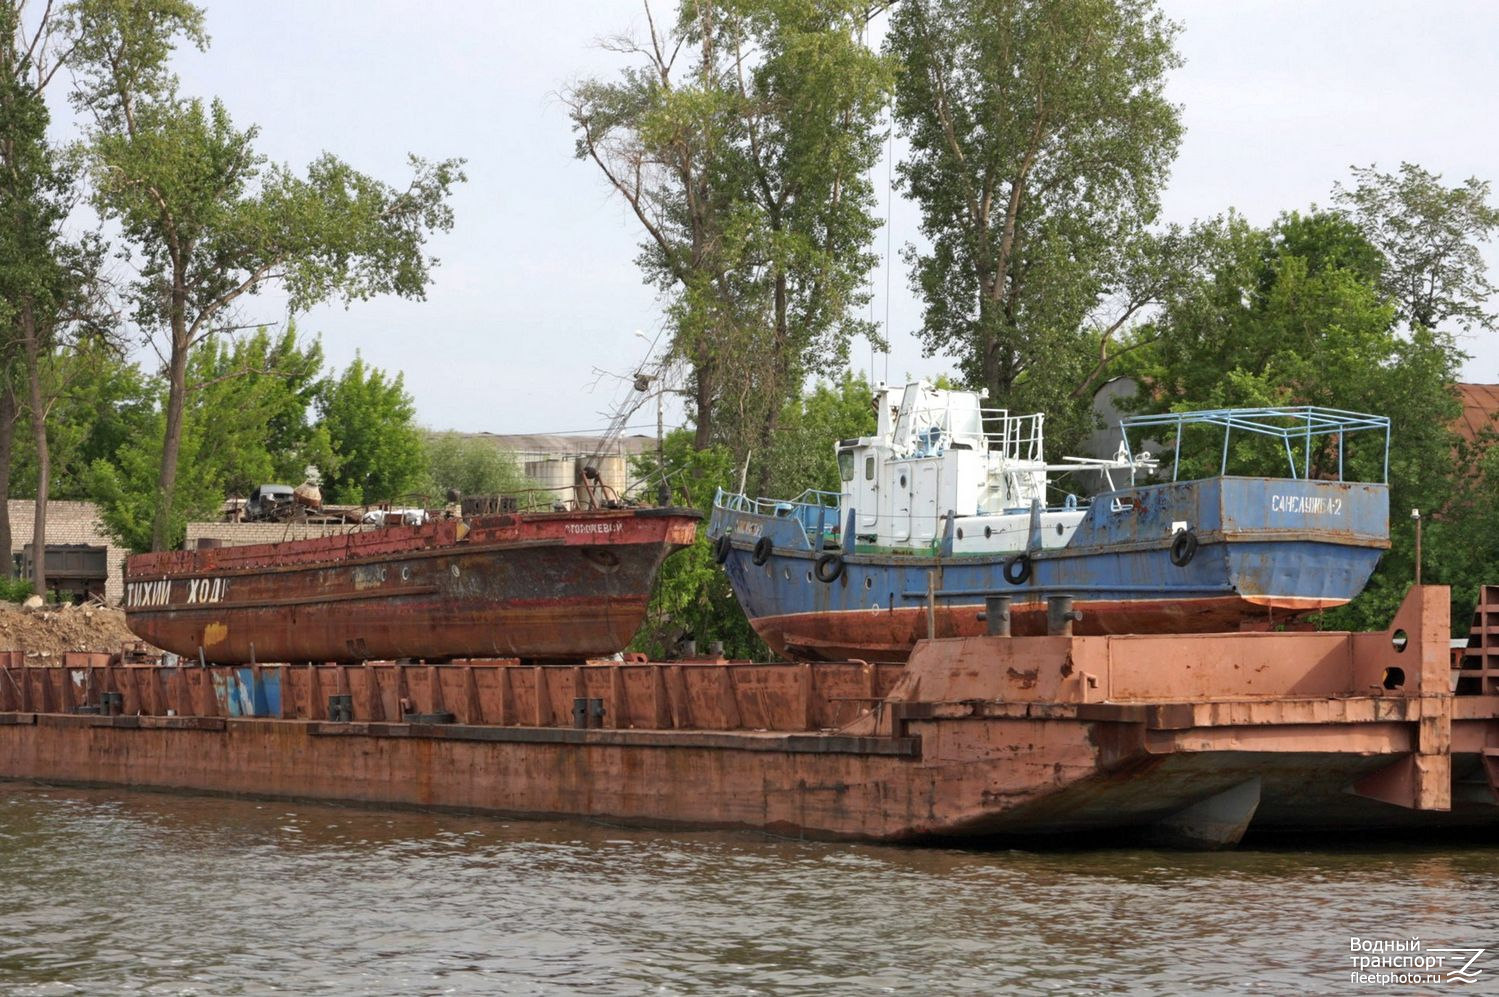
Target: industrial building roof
560 446
1480 409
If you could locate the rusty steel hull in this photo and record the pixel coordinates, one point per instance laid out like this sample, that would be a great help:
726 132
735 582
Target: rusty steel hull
546 587
892 634
1190 740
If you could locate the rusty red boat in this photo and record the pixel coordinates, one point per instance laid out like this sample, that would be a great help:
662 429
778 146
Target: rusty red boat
540 586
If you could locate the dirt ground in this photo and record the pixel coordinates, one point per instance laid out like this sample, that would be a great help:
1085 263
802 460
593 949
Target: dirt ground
47 632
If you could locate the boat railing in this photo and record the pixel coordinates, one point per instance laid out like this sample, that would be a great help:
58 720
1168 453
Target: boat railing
1308 427
1015 437
816 511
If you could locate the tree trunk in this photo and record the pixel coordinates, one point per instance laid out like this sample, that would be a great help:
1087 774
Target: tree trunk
7 446
30 341
171 443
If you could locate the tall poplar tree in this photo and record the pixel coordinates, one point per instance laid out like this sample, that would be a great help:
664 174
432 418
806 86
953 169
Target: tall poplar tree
742 140
210 223
1040 137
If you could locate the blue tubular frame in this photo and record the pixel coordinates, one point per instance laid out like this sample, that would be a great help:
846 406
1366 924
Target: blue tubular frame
1308 422
815 511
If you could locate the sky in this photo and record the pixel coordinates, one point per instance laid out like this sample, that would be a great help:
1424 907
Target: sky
538 293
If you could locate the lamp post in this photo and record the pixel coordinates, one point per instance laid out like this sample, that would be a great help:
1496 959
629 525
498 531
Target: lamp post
1416 515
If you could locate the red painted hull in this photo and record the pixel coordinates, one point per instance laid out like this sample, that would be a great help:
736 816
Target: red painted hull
544 586
890 635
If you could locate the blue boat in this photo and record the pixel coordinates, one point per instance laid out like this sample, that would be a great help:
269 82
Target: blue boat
951 503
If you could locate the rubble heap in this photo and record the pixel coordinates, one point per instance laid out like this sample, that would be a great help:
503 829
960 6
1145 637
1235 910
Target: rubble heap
43 633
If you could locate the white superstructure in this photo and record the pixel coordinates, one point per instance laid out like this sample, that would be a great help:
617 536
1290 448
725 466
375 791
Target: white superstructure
938 452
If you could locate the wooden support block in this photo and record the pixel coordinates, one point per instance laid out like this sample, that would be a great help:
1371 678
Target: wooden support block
434 691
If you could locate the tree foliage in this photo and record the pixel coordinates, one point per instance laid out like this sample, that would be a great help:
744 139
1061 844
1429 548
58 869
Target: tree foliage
809 428
246 423
1429 236
692 597
741 139
470 467
211 223
370 424
1040 136
1295 315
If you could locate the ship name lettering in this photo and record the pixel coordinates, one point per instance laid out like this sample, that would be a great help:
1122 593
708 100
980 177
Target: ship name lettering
1315 505
615 527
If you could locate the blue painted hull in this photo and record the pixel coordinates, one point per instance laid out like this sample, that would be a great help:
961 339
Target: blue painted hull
1267 550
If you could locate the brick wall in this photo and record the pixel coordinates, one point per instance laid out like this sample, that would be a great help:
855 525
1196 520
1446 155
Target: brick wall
70 523
240 534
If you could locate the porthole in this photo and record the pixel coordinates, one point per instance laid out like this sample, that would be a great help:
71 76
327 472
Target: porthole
786 573
809 576
903 480
960 533
405 573
988 532
869 581
1059 529
453 570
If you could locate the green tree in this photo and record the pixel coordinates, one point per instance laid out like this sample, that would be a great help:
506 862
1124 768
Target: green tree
245 423
370 423
1040 137
470 467
804 455
211 223
1294 315
103 402
692 598
1429 235
748 171
48 283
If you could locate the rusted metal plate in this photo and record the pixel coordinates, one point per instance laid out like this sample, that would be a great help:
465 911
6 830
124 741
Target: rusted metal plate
559 586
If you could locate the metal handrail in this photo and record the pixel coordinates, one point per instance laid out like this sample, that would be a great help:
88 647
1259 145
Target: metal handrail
1303 423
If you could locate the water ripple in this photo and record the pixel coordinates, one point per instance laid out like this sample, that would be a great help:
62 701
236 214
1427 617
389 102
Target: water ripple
133 893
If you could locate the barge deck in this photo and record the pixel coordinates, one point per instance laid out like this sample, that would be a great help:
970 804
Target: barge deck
1188 740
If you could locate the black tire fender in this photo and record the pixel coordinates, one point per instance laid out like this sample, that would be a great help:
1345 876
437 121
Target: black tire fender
763 549
721 548
829 567
1183 548
1018 569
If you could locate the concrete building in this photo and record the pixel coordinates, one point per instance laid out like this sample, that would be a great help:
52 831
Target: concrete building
556 463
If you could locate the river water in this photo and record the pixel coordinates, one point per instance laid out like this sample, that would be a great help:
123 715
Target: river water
117 892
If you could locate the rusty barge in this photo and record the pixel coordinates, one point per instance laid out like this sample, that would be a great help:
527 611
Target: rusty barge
1187 739
543 586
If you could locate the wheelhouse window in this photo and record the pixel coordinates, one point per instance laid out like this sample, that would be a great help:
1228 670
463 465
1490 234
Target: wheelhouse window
845 464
